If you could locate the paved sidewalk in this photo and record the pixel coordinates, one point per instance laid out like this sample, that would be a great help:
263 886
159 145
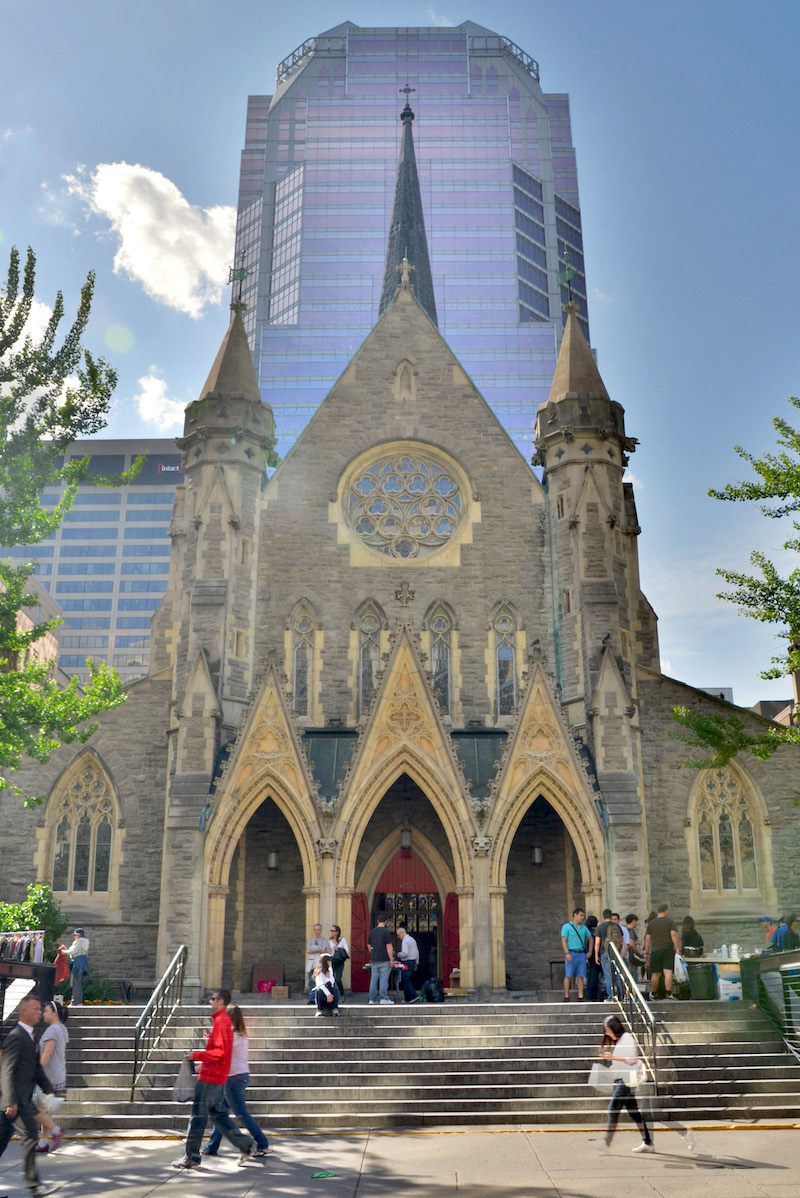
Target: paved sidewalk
743 1162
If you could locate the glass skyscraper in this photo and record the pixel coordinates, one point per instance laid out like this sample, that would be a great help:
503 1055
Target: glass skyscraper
500 197
107 564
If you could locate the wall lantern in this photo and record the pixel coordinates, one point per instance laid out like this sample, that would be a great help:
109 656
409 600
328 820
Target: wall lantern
405 838
537 856
272 859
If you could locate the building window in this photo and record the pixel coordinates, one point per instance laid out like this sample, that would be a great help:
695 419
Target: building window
725 835
304 622
369 654
441 629
505 627
83 814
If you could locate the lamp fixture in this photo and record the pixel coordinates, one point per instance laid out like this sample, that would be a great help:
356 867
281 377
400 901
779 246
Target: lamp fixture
537 856
405 838
272 859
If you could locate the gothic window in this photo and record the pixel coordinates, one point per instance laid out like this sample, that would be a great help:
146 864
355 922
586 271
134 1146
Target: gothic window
505 627
369 654
304 622
440 623
83 835
725 835
404 505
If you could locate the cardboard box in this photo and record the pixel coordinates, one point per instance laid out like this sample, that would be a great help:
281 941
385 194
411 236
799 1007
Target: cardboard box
279 992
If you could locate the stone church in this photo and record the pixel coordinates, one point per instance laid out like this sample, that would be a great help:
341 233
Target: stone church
403 674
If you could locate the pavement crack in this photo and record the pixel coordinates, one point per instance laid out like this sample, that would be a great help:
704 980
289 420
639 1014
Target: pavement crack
361 1162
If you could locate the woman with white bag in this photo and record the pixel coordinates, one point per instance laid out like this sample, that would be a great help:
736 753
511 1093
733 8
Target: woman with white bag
53 1059
619 1048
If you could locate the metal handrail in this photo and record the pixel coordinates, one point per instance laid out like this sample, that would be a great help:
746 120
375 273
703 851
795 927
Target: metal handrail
157 1014
773 981
640 1018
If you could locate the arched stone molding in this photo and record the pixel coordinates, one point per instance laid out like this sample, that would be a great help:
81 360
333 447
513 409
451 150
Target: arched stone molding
741 901
87 760
266 762
441 872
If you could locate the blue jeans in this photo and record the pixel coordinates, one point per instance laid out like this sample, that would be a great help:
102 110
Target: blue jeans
379 975
606 967
623 1096
209 1103
234 1097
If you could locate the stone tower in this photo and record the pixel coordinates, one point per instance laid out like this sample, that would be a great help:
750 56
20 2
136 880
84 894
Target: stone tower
604 626
203 632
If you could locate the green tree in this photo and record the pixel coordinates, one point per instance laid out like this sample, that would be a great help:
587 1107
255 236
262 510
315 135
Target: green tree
50 396
765 596
40 912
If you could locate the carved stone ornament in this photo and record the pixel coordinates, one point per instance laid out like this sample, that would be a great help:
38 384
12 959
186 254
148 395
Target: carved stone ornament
197 521
216 891
481 845
327 847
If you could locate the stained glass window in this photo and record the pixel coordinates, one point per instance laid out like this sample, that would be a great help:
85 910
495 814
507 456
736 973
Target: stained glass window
304 621
725 835
404 505
504 630
369 656
83 834
441 625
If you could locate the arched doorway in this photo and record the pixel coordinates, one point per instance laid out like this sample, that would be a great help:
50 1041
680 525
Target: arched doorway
405 868
543 879
265 912
407 893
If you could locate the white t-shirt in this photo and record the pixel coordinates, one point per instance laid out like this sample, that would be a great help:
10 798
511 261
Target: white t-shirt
342 943
626 1054
239 1061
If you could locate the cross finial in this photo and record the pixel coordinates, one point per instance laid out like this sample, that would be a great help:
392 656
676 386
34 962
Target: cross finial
405 269
238 275
406 91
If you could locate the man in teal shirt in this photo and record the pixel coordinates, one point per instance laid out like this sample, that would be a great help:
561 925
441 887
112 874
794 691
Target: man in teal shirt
575 941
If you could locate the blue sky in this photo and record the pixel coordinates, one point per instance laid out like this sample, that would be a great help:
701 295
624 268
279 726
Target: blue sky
685 119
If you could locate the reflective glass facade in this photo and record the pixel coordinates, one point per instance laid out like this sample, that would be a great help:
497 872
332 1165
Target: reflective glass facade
110 557
500 195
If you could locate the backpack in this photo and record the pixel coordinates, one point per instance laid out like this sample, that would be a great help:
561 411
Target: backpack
613 936
433 990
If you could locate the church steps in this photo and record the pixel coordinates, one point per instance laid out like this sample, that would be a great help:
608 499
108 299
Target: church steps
481 1063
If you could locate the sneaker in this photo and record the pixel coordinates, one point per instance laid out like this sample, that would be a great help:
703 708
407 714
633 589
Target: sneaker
336 1014
318 1014
645 1147
42 1147
565 1000
373 1002
246 1155
186 1162
413 1000
607 1140
260 1152
386 1002
58 1136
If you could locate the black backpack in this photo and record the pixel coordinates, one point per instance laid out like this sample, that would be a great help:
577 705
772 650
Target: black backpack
433 990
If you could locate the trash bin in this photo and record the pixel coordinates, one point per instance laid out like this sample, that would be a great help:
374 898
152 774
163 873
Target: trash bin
703 982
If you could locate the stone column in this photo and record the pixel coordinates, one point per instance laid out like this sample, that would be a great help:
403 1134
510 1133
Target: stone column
466 934
215 938
327 850
497 900
344 918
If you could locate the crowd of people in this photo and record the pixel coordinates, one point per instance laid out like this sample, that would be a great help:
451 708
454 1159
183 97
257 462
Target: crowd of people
586 944
325 961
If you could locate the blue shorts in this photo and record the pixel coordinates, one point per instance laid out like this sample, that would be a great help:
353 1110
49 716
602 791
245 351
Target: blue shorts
576 968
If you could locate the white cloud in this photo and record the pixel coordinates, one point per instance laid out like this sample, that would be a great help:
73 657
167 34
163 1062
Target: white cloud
630 477
666 668
155 406
179 252
437 18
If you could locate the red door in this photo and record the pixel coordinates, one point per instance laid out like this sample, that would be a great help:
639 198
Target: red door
452 953
359 931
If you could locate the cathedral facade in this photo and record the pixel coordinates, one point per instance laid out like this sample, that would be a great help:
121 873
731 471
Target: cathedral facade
404 674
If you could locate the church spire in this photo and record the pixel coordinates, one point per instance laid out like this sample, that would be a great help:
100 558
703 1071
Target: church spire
407 238
576 371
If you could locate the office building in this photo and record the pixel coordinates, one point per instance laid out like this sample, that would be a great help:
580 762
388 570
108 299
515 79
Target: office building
107 564
499 192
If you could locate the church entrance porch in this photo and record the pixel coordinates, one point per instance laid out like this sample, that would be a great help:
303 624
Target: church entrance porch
265 913
543 879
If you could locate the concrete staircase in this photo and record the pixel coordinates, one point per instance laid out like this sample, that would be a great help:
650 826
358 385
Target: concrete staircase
430 1064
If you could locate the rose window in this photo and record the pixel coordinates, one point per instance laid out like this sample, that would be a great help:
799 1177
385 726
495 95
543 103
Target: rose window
404 505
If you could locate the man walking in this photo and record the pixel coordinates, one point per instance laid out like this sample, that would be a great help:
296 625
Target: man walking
209 1091
660 946
575 939
381 956
19 1073
409 956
